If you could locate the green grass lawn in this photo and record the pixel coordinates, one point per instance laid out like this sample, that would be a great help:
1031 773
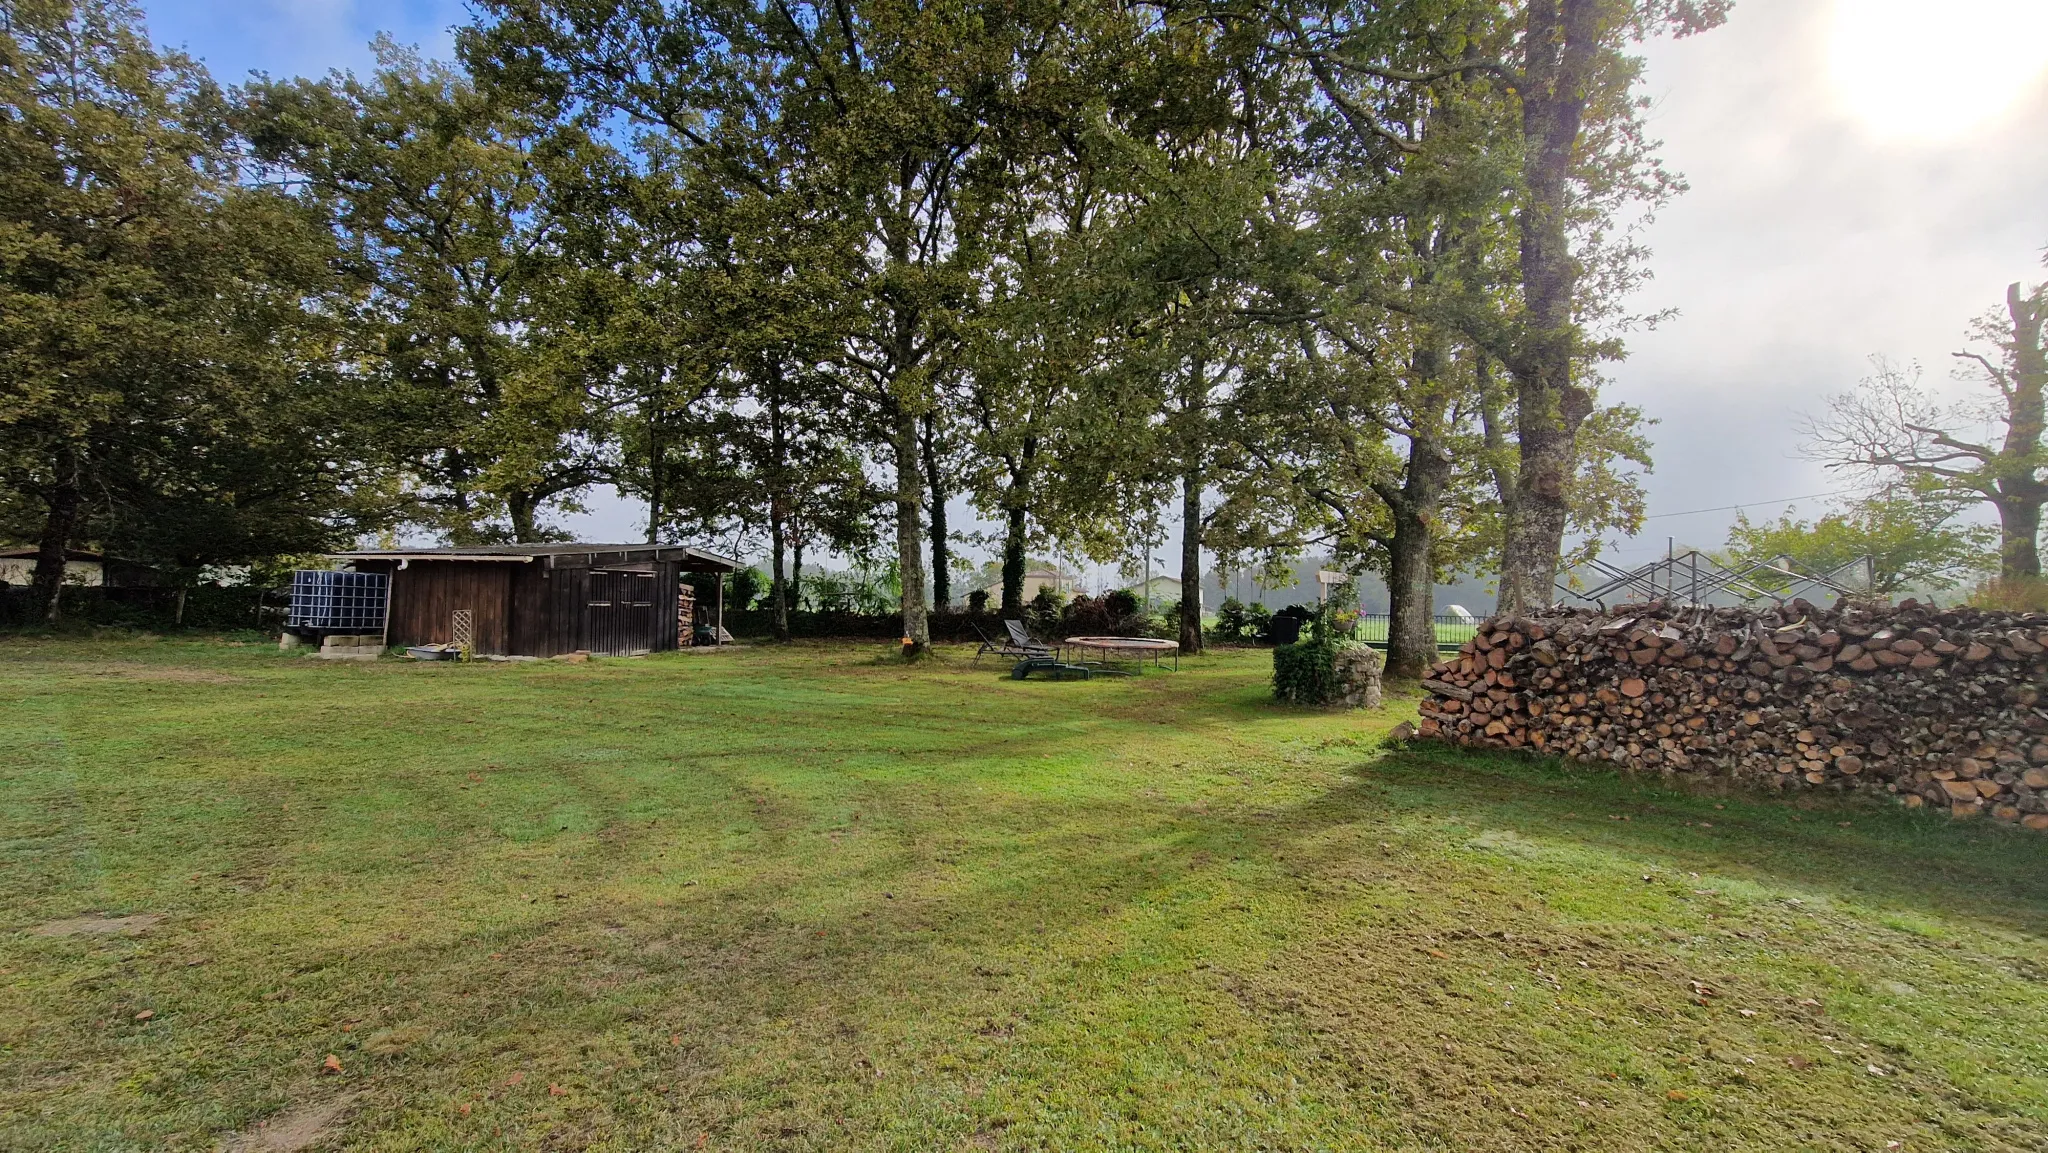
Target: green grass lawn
805 898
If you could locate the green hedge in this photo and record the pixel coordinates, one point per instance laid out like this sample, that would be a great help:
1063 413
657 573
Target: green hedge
206 607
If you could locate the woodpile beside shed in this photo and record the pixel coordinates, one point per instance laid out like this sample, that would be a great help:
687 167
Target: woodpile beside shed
1938 706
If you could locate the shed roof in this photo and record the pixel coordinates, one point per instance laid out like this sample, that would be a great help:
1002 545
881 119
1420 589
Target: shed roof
573 555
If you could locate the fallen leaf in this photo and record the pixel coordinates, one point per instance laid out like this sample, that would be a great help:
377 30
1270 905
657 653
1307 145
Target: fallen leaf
1875 1071
330 1066
348 1026
1678 1095
675 1039
1436 953
145 1015
515 1078
702 1138
555 1090
1747 1012
1799 1062
1809 1003
463 1109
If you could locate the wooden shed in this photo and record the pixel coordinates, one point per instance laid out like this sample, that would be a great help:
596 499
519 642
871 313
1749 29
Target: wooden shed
540 600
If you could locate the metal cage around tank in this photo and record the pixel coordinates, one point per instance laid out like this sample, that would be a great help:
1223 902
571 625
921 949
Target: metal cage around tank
330 601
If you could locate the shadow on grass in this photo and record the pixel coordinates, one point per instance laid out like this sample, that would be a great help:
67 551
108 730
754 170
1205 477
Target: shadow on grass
1851 847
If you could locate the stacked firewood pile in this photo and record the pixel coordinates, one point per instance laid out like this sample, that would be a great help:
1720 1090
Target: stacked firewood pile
1939 706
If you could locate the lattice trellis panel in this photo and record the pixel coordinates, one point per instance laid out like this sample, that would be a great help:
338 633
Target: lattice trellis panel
463 632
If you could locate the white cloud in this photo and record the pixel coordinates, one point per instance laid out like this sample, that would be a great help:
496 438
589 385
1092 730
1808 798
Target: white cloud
1806 244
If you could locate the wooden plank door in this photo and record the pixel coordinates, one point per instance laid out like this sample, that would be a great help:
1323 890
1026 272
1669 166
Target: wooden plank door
620 613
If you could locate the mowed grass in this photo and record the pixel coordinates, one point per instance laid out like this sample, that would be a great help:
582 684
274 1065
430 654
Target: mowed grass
806 898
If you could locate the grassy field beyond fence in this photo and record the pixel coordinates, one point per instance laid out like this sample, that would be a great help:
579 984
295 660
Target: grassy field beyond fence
805 898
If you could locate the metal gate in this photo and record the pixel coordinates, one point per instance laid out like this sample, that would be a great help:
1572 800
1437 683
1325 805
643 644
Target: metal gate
620 617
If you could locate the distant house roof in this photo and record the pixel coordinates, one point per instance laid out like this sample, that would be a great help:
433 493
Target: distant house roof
574 555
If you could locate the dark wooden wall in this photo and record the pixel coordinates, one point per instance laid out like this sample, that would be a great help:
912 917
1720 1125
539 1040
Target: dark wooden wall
425 595
547 610
522 608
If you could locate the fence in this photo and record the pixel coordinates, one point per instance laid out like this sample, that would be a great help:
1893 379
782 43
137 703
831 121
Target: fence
1451 631
206 607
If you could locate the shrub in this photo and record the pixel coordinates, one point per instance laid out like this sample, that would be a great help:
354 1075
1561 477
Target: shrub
1044 612
1116 614
1085 616
2020 595
743 587
977 601
1231 619
1305 673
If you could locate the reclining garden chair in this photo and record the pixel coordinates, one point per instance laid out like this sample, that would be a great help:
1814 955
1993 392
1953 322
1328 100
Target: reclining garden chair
1022 645
1016 644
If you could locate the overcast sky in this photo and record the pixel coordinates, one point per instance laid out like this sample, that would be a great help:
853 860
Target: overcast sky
1866 176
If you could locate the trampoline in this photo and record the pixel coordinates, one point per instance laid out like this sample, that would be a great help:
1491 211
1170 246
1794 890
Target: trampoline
1125 651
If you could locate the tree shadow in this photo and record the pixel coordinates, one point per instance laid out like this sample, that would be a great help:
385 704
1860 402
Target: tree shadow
1850 847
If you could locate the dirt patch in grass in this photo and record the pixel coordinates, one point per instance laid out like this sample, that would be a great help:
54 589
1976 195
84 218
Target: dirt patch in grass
302 1128
93 924
139 671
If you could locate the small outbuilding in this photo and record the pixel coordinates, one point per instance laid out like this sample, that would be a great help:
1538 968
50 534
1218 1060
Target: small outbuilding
543 600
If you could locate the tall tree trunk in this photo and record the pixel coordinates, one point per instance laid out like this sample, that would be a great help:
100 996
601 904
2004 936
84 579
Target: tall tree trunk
2021 493
1561 41
1013 564
1191 557
1411 578
796 565
2019 532
656 478
1193 445
1016 530
522 508
778 499
942 556
60 523
1499 462
778 585
917 637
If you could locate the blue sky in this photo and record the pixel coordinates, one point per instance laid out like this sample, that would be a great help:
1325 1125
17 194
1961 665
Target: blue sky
298 37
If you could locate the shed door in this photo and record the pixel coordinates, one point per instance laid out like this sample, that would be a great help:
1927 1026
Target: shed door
620 617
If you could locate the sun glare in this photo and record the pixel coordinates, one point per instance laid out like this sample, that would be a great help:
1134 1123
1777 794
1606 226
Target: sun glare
1935 69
